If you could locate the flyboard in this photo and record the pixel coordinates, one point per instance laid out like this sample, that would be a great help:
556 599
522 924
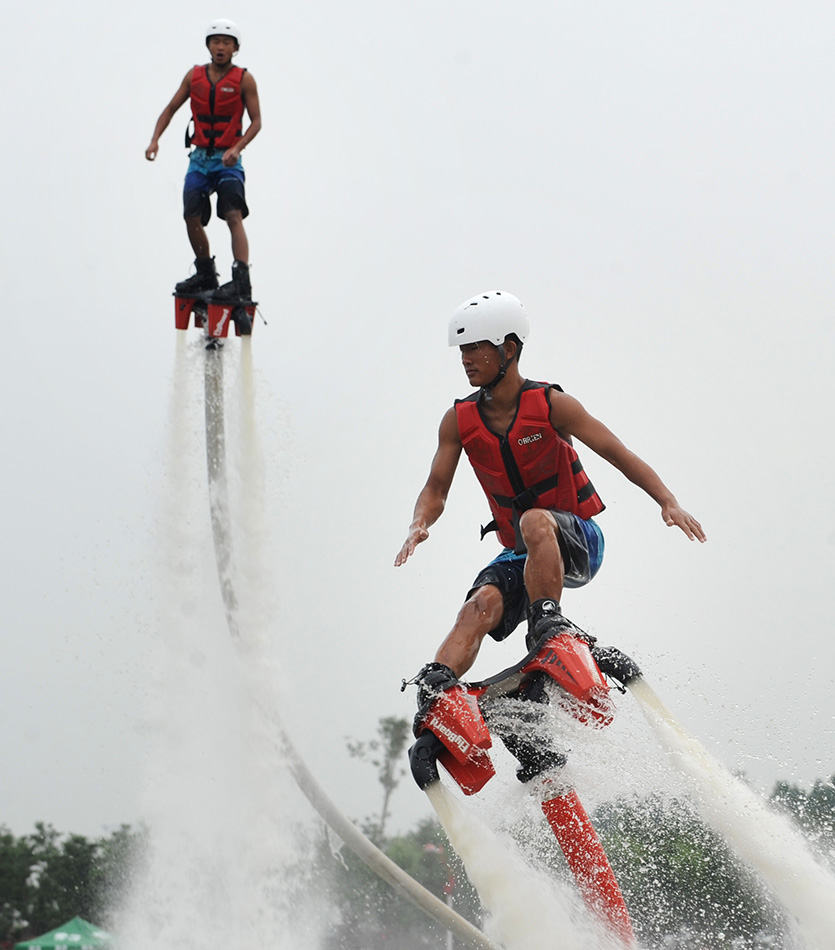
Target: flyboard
215 321
455 731
214 316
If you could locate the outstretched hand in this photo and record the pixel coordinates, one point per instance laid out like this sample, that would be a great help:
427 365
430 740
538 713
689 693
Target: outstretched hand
675 515
416 535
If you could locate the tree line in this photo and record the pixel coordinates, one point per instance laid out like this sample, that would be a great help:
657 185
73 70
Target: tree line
46 878
678 877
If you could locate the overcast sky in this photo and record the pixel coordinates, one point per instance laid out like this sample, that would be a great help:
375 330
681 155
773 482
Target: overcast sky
653 180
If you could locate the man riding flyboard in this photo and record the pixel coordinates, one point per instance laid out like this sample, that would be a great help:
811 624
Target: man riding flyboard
517 435
219 93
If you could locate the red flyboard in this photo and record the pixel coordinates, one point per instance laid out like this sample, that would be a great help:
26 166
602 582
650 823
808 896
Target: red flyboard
216 317
588 862
457 721
222 314
568 661
183 309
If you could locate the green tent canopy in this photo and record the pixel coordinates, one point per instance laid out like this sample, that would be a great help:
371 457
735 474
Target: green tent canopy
75 934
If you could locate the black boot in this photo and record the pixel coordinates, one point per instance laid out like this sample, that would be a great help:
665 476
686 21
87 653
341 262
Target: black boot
204 280
533 759
423 759
238 289
433 679
527 735
545 620
616 664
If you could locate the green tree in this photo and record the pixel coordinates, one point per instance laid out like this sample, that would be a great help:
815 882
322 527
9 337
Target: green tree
43 910
814 811
677 875
119 857
370 915
47 878
385 753
15 862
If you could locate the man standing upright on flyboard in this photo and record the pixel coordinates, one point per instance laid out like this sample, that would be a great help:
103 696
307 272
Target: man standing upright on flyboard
219 94
518 437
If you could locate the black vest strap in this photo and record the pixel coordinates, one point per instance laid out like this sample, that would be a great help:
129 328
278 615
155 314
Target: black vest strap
528 498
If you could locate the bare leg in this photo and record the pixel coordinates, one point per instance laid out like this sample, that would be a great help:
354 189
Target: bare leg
240 242
481 613
544 567
197 237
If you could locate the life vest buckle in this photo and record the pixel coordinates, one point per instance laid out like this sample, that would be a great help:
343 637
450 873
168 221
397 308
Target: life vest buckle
525 500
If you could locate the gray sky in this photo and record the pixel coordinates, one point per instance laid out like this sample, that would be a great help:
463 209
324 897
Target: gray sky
652 180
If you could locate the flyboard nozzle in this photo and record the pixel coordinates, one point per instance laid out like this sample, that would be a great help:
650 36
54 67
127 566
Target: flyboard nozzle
423 760
612 662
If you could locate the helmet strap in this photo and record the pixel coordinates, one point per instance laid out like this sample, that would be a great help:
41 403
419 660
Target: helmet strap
486 392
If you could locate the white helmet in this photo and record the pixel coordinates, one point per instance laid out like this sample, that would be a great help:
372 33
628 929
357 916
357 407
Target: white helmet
489 316
221 27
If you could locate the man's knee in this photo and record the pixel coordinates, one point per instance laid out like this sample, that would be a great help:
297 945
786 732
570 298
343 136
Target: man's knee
536 524
483 608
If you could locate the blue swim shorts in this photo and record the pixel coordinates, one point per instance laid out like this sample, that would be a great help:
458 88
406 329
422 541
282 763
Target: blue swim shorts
207 174
581 544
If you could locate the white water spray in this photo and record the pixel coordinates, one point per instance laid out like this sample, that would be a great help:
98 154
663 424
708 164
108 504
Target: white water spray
223 866
764 839
527 910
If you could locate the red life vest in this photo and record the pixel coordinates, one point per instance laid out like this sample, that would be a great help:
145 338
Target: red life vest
217 108
531 466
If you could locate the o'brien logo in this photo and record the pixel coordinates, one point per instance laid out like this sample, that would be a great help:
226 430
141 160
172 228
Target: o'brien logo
454 738
530 438
227 88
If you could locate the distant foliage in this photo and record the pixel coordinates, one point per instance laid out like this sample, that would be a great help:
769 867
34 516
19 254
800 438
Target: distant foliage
47 878
814 811
385 753
679 878
368 913
682 885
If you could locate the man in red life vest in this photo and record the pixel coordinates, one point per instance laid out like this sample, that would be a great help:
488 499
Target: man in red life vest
219 94
517 435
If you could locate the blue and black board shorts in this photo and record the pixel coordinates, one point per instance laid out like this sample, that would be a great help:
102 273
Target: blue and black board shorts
581 544
207 174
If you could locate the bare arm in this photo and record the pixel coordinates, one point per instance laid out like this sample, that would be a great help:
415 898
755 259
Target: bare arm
167 114
569 416
432 498
249 93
